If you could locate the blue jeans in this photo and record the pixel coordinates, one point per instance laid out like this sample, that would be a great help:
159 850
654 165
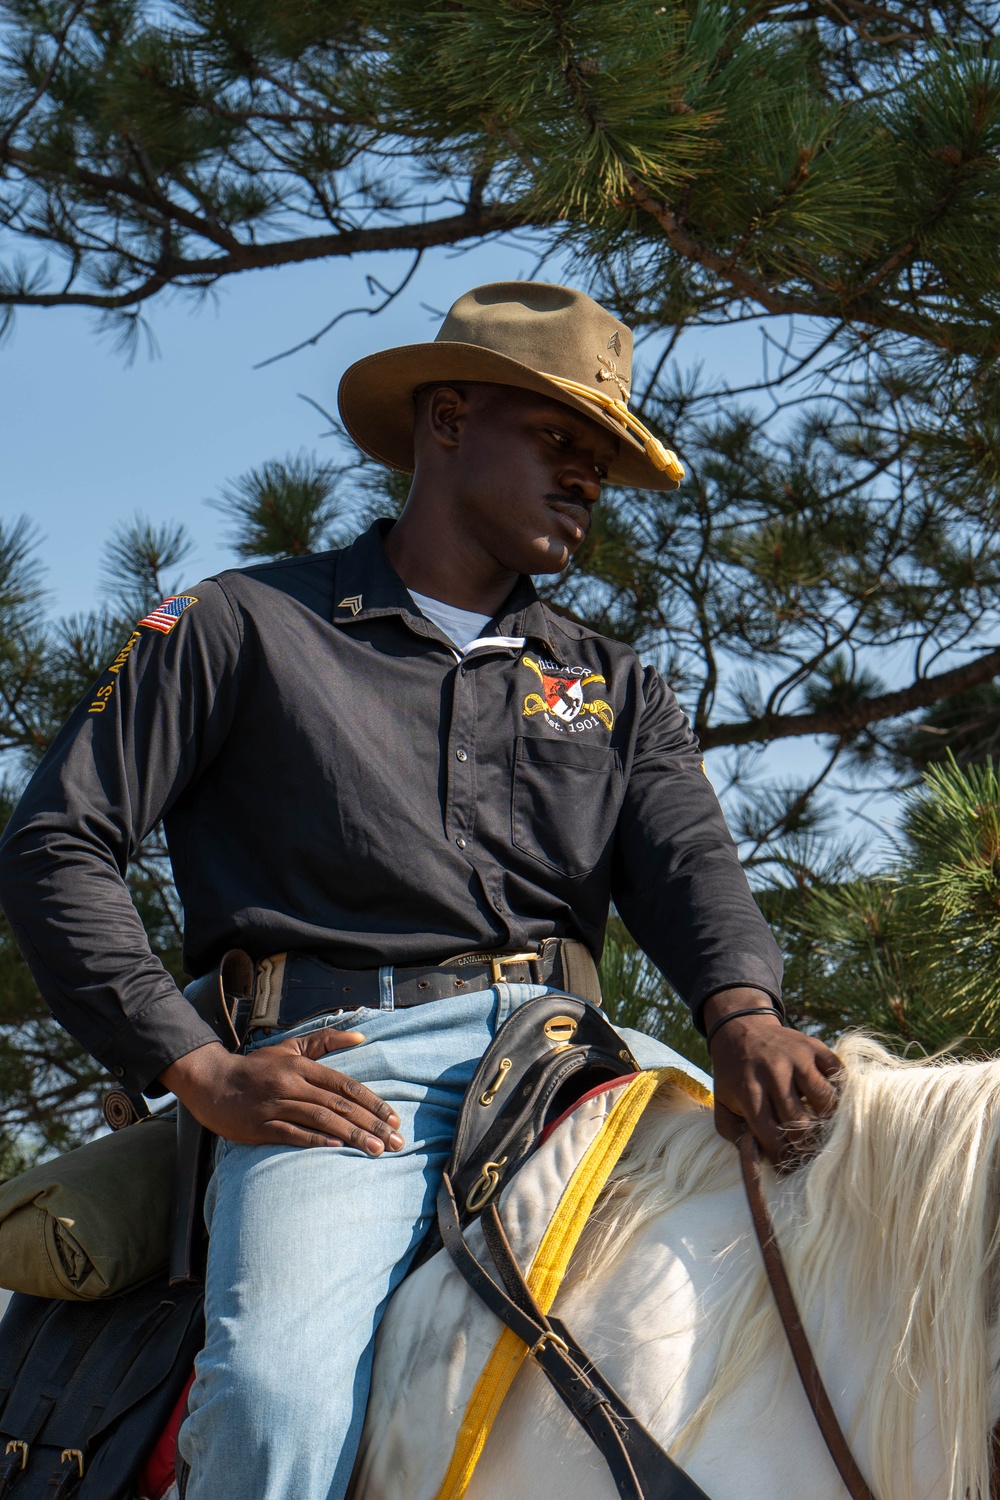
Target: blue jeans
306 1247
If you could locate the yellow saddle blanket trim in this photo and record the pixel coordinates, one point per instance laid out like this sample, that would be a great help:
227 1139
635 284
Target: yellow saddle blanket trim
551 1261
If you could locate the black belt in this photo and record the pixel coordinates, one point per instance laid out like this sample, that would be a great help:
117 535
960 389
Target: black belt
310 986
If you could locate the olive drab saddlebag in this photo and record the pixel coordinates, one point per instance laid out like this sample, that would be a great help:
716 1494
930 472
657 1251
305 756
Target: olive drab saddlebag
86 1388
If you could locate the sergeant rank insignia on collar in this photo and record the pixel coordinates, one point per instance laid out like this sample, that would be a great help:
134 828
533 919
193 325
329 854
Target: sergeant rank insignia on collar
353 603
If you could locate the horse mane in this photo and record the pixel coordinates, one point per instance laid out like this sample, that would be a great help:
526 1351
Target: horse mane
900 1203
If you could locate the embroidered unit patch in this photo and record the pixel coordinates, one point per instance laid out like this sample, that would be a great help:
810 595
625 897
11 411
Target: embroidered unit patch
165 616
563 701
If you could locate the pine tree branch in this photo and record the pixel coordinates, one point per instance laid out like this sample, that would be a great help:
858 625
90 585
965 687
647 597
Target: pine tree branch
855 15
786 820
721 265
844 308
390 295
144 194
469 224
61 39
851 717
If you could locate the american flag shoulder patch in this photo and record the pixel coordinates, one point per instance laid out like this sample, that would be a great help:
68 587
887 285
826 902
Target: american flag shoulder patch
165 616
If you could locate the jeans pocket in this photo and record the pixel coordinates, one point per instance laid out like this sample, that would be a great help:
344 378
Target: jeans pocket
336 1020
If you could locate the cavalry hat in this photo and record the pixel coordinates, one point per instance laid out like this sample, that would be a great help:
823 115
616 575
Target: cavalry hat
529 334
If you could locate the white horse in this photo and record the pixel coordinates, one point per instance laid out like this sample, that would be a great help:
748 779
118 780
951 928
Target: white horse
891 1238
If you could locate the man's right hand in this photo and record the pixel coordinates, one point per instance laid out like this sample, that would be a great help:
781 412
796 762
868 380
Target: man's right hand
282 1096
778 1082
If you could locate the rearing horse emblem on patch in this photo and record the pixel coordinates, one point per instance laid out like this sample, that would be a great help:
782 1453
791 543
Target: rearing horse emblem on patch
563 698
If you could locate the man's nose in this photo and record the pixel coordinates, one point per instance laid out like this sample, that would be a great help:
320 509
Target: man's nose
580 481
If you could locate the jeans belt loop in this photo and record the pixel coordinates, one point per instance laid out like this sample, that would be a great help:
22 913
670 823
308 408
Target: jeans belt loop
386 993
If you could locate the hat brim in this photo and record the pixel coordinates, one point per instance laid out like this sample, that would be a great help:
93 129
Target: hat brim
376 403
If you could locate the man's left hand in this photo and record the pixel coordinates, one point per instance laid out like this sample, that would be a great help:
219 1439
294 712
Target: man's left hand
773 1080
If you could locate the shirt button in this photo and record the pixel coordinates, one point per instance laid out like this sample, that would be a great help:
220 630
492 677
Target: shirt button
118 1071
460 842
460 755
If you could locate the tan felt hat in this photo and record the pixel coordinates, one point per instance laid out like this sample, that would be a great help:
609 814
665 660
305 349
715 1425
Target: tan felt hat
530 334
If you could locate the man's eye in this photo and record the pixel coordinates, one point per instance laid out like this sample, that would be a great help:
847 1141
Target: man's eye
562 438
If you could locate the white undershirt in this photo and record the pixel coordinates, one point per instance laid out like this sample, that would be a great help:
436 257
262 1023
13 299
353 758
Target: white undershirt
460 625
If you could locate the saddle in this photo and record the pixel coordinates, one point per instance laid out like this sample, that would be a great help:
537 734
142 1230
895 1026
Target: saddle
544 1058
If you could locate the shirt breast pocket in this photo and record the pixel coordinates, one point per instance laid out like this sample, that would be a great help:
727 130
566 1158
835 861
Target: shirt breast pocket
565 800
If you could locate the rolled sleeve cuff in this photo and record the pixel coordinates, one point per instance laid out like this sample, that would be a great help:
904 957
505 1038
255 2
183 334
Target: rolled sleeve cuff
153 1038
747 969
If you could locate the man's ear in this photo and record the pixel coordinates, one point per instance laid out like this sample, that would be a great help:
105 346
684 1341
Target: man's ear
447 407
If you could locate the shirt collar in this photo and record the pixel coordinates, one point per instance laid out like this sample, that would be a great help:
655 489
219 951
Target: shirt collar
368 586
523 614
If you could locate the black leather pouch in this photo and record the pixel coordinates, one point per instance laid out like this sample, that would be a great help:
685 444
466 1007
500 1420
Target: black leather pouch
86 1388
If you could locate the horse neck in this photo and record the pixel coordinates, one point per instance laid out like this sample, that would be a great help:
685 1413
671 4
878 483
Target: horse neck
850 1228
656 1319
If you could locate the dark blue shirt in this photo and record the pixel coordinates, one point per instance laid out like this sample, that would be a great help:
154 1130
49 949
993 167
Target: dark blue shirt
334 776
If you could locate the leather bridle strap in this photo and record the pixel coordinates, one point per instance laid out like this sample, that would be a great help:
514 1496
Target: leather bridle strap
641 1470
798 1342
657 1473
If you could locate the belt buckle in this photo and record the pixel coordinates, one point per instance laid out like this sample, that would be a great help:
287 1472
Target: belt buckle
499 961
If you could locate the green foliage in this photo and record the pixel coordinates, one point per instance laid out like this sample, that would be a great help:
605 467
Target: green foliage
283 509
913 953
824 160
966 727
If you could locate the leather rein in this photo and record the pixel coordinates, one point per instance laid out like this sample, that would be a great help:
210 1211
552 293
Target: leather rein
791 1322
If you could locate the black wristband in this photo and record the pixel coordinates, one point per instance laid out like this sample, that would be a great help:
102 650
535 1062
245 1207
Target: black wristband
750 1010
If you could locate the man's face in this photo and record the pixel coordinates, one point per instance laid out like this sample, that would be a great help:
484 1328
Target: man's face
526 471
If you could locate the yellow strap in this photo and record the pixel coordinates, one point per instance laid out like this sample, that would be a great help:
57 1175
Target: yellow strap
550 1263
660 457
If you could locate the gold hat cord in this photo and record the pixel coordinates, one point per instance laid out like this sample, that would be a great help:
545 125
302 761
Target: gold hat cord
659 456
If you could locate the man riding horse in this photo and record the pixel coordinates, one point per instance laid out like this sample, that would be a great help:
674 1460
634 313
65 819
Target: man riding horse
409 790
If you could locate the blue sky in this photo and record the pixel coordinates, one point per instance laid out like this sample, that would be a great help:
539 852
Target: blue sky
88 440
